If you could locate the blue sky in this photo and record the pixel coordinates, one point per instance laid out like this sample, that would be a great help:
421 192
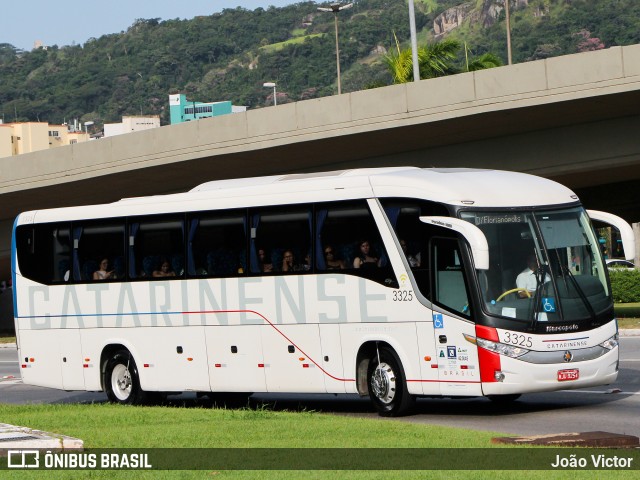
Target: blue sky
62 23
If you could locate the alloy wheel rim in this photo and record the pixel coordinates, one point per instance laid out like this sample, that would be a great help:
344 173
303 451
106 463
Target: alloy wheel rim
121 382
383 383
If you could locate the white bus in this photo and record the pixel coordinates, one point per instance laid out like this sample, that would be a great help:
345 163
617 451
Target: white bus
394 283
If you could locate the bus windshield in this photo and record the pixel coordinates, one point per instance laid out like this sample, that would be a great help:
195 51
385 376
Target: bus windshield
545 266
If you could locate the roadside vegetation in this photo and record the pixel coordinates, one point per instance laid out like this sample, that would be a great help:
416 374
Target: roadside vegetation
7 337
115 426
629 322
229 55
625 285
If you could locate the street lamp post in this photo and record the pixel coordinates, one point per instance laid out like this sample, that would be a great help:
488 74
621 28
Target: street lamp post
335 8
414 42
271 85
508 22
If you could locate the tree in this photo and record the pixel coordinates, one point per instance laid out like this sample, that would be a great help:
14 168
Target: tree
434 60
487 60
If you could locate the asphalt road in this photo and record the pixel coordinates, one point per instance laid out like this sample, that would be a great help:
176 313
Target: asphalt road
613 408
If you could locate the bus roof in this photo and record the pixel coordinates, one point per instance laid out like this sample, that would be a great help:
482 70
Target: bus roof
452 186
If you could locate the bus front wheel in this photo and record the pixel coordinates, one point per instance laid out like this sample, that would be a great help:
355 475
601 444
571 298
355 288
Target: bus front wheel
387 384
121 381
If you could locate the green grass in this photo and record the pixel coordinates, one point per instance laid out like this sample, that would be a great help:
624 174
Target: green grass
110 426
627 310
274 47
631 322
172 427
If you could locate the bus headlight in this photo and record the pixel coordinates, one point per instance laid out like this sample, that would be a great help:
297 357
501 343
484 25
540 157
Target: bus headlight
611 343
501 348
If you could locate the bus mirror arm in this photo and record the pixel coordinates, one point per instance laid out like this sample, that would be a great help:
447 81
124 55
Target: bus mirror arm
626 232
471 233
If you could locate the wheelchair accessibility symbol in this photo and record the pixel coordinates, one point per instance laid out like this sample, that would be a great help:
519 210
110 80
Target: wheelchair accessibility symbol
438 322
548 304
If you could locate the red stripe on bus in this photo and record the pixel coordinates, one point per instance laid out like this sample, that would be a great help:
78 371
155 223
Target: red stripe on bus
216 312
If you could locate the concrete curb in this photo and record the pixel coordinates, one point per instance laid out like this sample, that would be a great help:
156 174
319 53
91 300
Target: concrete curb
14 437
629 332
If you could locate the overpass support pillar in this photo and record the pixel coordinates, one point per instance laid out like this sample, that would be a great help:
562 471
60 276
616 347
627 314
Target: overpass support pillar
636 234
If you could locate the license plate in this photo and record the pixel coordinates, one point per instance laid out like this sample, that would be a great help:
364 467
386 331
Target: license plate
567 375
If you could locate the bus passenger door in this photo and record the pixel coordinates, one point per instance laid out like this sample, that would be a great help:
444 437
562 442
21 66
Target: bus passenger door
458 369
236 363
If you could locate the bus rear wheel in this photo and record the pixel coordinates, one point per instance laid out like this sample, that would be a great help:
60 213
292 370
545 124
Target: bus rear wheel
387 385
121 380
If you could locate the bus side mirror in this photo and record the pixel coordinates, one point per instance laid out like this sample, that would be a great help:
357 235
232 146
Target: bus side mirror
626 232
472 234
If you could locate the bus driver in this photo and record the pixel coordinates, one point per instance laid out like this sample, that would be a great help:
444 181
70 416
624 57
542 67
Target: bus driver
527 279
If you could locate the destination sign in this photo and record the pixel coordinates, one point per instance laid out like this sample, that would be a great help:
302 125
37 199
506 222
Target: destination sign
497 219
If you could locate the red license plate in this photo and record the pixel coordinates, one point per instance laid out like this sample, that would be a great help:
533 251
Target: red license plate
567 375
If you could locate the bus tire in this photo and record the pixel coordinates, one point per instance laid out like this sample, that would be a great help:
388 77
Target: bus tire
121 380
388 386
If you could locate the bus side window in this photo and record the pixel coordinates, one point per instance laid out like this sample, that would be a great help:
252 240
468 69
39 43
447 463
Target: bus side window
285 233
95 241
154 241
217 244
342 227
44 252
449 281
413 235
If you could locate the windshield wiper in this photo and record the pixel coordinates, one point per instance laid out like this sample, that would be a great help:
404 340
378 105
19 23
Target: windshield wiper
566 273
539 274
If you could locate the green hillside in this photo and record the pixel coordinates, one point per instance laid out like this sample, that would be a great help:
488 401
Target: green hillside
229 55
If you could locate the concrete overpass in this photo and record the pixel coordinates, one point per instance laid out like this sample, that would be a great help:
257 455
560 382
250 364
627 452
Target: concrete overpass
575 119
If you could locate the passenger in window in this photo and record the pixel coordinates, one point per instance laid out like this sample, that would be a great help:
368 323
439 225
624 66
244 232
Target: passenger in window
288 263
165 269
265 265
414 260
364 258
330 260
103 272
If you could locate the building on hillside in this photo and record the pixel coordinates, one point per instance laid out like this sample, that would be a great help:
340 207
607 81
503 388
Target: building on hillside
182 110
133 123
6 140
27 137
61 135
